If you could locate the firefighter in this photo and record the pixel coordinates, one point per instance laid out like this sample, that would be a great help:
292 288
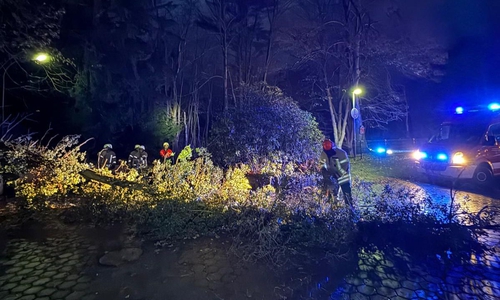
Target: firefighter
143 157
106 157
335 168
134 159
166 152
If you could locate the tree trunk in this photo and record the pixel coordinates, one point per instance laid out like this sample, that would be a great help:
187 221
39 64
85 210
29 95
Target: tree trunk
209 108
333 116
226 100
223 31
268 52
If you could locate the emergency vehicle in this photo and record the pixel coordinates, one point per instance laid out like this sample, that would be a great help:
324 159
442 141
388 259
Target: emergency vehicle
465 146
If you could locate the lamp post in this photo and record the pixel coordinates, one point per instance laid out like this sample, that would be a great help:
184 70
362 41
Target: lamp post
354 115
39 58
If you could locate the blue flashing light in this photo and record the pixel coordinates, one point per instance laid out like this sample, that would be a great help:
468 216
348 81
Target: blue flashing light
380 150
423 155
459 110
442 156
494 106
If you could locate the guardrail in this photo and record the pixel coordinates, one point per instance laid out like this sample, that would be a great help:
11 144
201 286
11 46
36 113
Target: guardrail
396 145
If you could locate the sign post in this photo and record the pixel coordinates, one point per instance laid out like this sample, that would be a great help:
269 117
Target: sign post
354 115
361 139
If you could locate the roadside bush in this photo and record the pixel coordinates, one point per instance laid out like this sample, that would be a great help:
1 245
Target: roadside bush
268 127
188 179
45 173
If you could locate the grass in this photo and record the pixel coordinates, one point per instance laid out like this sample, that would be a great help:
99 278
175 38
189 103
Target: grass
373 167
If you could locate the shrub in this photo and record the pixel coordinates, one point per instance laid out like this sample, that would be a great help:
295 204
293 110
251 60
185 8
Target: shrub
45 173
268 127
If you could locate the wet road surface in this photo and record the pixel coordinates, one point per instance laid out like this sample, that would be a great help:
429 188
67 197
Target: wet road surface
390 273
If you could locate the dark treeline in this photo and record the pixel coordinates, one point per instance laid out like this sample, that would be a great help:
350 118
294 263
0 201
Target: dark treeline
148 71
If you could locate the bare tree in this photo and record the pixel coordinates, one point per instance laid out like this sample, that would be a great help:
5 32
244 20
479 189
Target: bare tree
330 51
386 102
337 47
273 12
221 19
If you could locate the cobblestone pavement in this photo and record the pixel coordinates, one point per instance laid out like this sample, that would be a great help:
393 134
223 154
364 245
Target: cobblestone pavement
51 269
379 276
199 269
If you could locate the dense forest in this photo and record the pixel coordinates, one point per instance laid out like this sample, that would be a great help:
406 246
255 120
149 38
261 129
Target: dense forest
148 71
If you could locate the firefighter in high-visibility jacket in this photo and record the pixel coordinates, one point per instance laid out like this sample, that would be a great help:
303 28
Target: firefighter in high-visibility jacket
134 158
335 167
143 157
106 158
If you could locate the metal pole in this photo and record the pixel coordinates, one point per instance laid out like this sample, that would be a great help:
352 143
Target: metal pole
361 146
354 125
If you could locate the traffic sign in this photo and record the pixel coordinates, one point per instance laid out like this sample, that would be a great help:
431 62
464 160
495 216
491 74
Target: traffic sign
354 113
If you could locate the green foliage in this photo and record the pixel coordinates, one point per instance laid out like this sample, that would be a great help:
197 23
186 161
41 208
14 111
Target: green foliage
45 173
269 127
161 126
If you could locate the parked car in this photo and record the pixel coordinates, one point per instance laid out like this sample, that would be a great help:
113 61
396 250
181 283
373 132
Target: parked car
465 146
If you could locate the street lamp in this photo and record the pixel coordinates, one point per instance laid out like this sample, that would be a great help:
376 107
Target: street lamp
354 115
40 57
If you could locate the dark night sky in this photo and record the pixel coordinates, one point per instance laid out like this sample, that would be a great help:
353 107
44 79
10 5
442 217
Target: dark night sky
470 29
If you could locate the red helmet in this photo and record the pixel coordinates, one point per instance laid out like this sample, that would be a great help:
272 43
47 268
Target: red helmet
327 144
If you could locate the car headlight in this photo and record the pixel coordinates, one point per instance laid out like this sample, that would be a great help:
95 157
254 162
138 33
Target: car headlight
458 158
419 155
389 151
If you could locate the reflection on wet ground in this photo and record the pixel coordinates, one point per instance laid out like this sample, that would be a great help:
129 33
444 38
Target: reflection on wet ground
379 276
382 274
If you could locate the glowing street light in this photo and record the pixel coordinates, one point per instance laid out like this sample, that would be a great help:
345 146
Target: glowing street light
41 57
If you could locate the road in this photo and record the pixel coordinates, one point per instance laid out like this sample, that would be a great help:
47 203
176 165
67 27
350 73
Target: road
390 272
474 199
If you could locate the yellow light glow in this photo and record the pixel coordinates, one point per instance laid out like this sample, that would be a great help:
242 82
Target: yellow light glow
41 57
417 155
357 91
458 158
